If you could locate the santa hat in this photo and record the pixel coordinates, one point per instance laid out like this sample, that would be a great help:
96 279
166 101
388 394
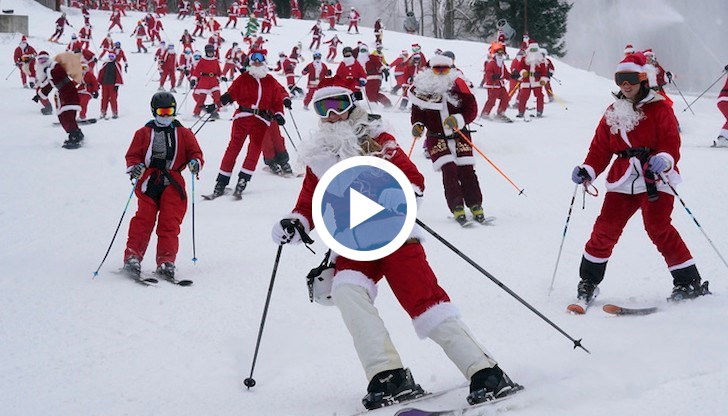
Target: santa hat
24 39
629 49
648 53
42 54
334 86
440 60
263 51
632 63
404 52
416 46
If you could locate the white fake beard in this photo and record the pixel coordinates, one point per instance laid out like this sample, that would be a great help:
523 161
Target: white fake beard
363 58
534 58
499 59
258 71
348 61
428 83
622 116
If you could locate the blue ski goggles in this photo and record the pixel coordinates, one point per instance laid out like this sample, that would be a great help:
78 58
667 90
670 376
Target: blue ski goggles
257 57
338 104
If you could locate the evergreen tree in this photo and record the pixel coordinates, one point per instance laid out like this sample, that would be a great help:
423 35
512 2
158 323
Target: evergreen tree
543 20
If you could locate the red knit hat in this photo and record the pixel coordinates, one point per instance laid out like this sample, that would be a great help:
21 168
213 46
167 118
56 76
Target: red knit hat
632 63
628 49
333 86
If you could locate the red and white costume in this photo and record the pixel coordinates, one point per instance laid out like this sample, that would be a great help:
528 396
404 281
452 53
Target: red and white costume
496 74
24 58
350 68
374 67
400 68
56 76
115 19
87 90
316 36
167 67
61 24
288 67
333 47
207 75
140 33
110 80
295 9
161 189
534 75
723 107
85 36
354 17
233 13
234 58
316 71
107 45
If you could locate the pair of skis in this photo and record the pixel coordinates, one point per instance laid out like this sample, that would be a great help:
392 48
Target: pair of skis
153 281
580 309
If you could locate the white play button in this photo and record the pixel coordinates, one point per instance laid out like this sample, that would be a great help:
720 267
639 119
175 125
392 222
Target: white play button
361 208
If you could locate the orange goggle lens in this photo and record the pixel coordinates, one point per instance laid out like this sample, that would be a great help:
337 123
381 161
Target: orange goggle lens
441 70
164 111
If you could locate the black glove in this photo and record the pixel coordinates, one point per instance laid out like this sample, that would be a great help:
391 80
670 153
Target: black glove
224 79
126 68
187 72
95 94
287 103
579 175
668 74
725 68
537 74
137 171
328 71
19 64
226 98
36 98
551 74
210 108
193 82
279 119
514 74
495 77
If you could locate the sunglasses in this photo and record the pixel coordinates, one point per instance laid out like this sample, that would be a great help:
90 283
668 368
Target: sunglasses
441 70
337 105
631 78
257 57
164 111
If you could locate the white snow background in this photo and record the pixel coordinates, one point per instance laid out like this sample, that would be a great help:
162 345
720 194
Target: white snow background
73 345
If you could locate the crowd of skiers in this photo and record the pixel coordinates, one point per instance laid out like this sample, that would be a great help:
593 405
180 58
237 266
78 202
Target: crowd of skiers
442 105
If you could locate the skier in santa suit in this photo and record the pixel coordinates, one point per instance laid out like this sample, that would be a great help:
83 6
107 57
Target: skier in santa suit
496 74
534 75
206 80
167 68
350 68
260 99
110 79
119 55
338 11
316 36
62 73
244 11
296 53
199 25
140 33
333 46
233 62
24 58
354 17
184 66
347 132
87 58
442 103
515 84
656 75
316 71
233 12
75 43
641 130
295 9
722 140
399 65
61 24
415 65
550 68
85 36
157 155
87 90
288 67
374 67
106 46
115 19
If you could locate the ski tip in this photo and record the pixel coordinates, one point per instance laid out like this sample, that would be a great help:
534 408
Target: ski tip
612 309
576 309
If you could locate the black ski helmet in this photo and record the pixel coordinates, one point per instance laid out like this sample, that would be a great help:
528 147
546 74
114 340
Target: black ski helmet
163 99
209 50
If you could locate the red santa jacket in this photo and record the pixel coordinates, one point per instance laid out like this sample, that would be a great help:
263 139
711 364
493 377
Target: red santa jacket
354 16
287 65
21 56
532 74
334 42
139 31
374 67
169 62
106 77
55 76
723 94
184 149
393 154
265 94
354 71
399 65
496 74
432 114
207 73
657 130
315 71
316 29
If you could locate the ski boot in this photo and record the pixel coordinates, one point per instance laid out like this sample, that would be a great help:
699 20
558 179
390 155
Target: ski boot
586 291
519 115
539 114
286 169
219 189
74 140
687 284
478 213
47 110
275 168
166 270
133 267
720 141
115 116
390 387
490 384
243 179
459 214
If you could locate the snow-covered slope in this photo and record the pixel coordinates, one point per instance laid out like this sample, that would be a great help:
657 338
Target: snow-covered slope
73 345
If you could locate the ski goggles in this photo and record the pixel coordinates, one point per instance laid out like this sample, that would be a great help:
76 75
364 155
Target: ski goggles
42 59
164 111
631 78
257 57
441 70
338 104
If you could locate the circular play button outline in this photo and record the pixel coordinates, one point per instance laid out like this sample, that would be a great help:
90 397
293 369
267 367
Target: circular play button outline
402 181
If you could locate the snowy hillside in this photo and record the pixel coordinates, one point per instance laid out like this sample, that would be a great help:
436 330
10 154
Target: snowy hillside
73 345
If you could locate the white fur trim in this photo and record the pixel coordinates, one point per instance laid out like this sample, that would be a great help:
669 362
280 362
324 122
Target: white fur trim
591 171
432 317
331 91
669 159
353 277
688 263
302 218
440 60
629 67
593 259
65 108
441 161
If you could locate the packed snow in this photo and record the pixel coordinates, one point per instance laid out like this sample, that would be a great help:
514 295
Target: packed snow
71 344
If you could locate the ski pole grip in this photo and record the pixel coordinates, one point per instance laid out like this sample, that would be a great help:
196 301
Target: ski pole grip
302 232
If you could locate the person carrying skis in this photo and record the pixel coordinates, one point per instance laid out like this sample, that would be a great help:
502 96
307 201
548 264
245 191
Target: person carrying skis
260 98
640 128
443 104
157 155
346 130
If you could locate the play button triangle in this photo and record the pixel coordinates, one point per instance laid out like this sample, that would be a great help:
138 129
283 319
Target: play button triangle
361 208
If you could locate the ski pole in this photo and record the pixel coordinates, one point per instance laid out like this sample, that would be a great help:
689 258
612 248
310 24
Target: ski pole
11 72
289 138
412 146
209 116
470 142
683 97
250 381
577 343
126 207
558 100
703 93
194 247
295 125
561 247
150 67
185 98
695 220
